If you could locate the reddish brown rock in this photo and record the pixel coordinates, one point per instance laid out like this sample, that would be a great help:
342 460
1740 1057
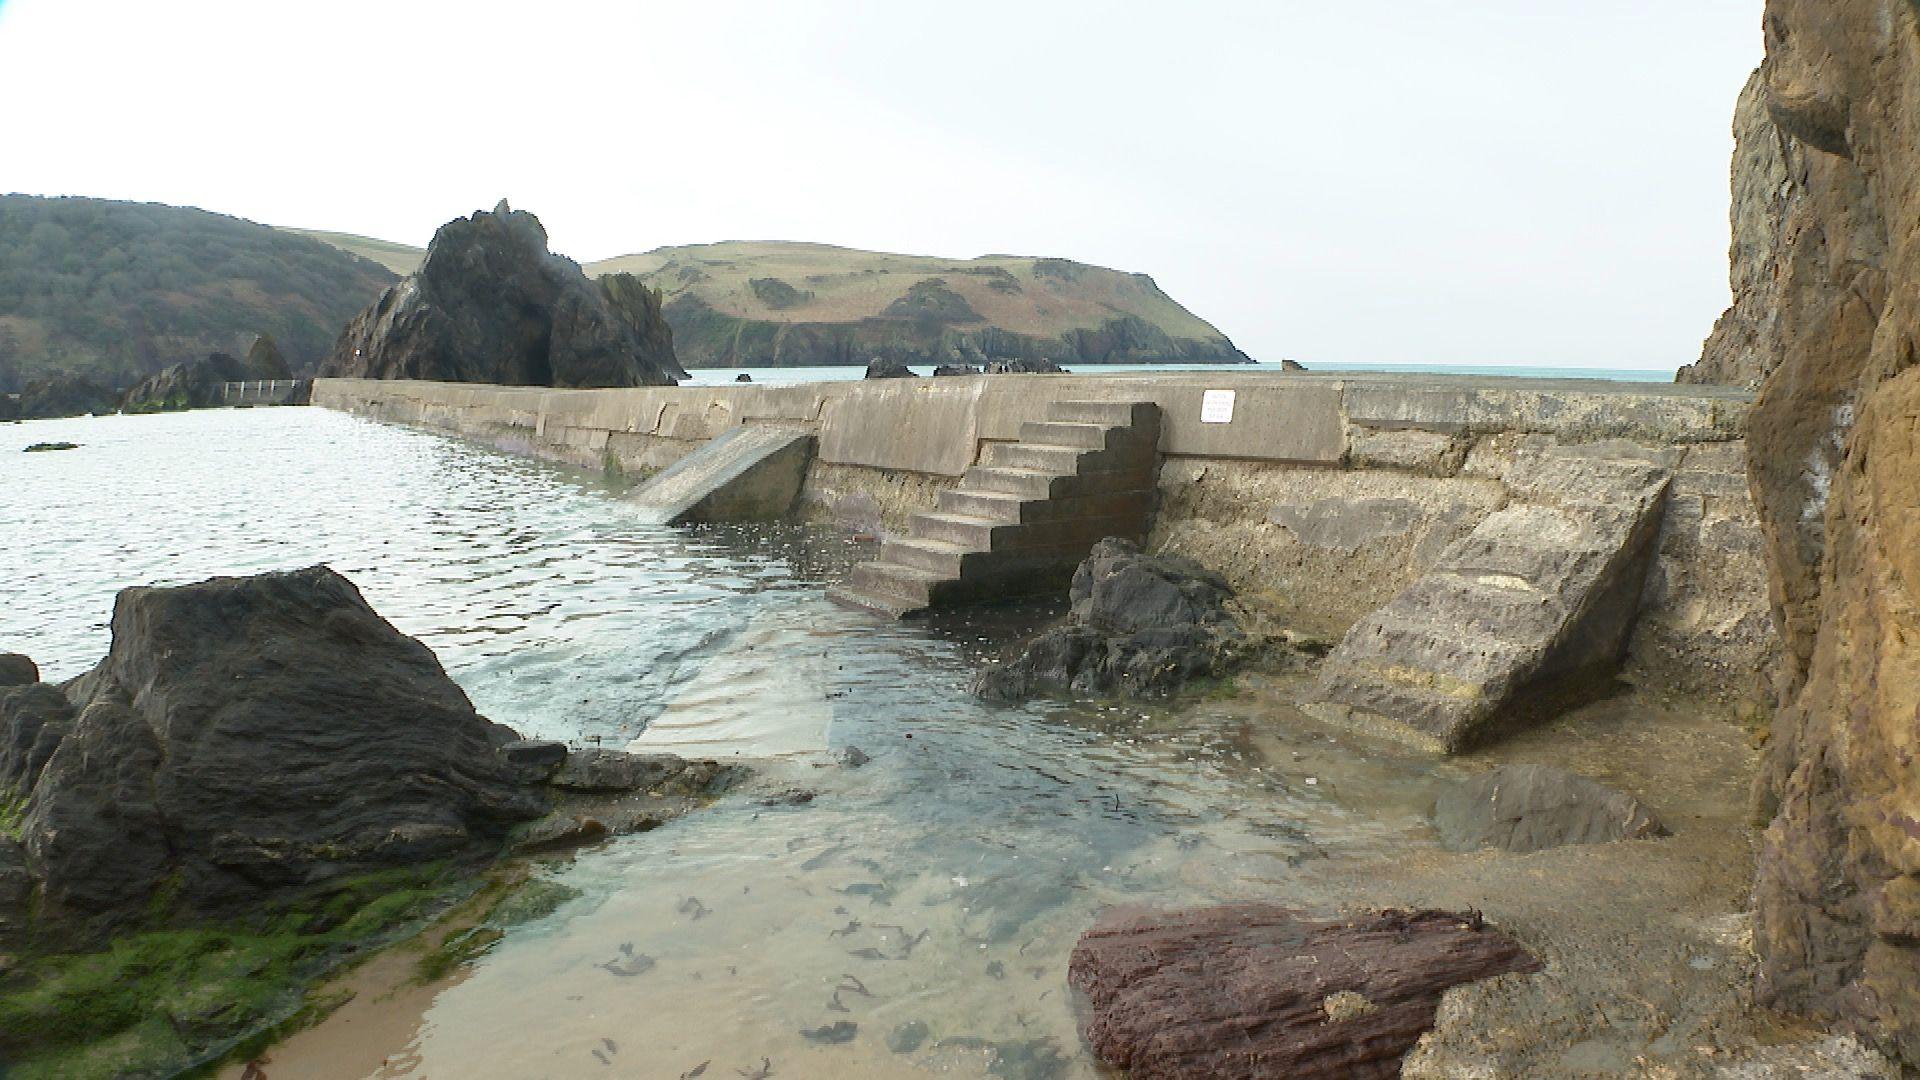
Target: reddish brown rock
1258 990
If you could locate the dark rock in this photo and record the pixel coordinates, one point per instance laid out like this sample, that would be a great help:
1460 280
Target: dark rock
908 1037
202 383
1291 365
65 395
44 447
1025 366
830 1034
33 720
491 304
16 892
882 368
18 670
247 735
534 760
1140 625
743 377
1257 990
614 771
265 362
956 369
1530 807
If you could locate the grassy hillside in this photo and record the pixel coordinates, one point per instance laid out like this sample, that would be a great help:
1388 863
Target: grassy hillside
118 290
778 303
402 259
793 304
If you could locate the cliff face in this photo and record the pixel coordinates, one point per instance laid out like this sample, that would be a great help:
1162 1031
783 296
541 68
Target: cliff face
1835 469
1744 347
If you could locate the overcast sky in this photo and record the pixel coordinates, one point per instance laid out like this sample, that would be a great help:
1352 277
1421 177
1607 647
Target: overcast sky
1519 181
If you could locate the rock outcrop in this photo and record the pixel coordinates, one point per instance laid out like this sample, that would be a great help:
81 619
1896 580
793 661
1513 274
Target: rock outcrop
199 384
881 368
1140 626
1522 808
1835 469
246 735
65 395
491 304
1745 346
1256 990
1522 617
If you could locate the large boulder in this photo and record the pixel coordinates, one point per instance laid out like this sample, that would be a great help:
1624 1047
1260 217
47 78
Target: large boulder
17 670
1523 808
198 384
247 735
1257 990
491 304
882 368
1140 625
65 395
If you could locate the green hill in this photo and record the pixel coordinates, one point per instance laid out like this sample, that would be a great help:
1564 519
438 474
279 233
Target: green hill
119 290
779 304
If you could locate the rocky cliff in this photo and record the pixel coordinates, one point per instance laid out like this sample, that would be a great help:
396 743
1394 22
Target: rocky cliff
794 305
491 304
1832 305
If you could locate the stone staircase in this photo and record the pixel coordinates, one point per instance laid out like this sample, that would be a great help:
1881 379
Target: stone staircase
1021 520
1519 618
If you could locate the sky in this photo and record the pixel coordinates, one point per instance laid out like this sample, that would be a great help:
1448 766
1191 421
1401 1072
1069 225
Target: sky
1511 182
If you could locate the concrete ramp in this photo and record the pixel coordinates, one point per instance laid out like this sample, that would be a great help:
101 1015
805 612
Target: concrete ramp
1519 617
749 473
764 697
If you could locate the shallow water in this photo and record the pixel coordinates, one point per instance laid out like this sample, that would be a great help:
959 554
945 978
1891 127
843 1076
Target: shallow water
942 884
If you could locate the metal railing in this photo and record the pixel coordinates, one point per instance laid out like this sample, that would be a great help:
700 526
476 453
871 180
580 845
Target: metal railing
259 392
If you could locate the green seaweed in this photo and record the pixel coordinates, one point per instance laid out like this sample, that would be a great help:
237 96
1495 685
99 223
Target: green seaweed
167 999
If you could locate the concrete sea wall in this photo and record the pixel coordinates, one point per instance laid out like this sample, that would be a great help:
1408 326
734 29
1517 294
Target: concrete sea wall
1320 496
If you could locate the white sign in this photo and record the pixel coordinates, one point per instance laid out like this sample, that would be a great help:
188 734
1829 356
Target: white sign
1216 407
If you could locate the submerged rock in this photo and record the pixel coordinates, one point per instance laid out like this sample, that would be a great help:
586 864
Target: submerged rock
1140 625
1025 366
44 447
245 735
956 369
491 304
1256 990
1530 807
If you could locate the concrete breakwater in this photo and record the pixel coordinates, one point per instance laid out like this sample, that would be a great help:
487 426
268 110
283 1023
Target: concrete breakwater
1320 497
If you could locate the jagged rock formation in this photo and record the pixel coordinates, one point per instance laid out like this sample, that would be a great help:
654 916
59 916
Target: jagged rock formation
247 735
198 384
1250 991
1745 345
1140 626
1519 618
792 305
1532 807
1835 468
491 304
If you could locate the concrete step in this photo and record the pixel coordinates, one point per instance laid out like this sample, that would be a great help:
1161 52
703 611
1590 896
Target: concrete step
1527 611
982 534
933 556
1029 483
910 584
1109 413
1040 457
879 603
1067 433
1001 506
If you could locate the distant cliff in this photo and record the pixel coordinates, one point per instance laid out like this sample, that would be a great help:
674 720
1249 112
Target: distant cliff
795 305
116 291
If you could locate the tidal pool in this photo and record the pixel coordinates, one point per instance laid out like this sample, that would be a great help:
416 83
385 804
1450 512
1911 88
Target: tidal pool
915 913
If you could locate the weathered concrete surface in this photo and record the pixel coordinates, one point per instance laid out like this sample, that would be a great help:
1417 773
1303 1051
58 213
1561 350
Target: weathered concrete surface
1537 600
1021 521
749 473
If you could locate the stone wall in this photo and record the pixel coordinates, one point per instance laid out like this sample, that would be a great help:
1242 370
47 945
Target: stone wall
1320 498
